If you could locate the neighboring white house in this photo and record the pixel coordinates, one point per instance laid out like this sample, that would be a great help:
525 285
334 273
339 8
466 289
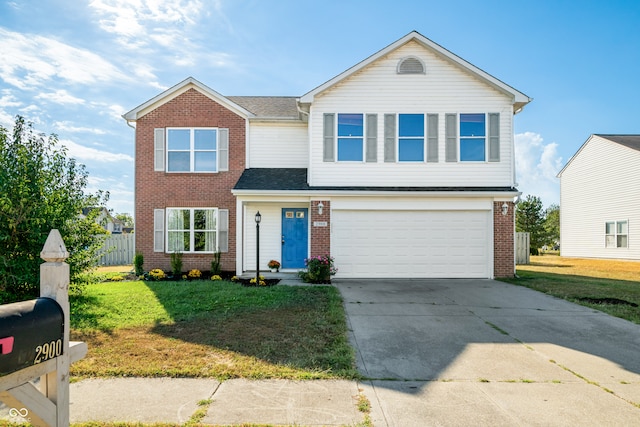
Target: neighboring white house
600 199
105 219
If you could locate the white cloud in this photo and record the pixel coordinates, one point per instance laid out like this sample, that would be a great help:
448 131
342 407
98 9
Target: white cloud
68 127
169 29
537 165
120 190
29 61
60 96
135 20
8 100
83 153
6 119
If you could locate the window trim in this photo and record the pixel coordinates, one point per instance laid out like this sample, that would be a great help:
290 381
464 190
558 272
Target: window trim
192 149
191 229
423 138
615 234
484 138
362 138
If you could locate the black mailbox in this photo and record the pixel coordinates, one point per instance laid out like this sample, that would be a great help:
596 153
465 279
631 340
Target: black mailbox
31 332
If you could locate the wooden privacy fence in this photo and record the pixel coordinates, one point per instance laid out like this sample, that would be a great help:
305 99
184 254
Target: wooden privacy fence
522 248
118 249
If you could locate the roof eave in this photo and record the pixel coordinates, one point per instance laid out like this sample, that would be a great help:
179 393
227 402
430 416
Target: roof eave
168 94
338 192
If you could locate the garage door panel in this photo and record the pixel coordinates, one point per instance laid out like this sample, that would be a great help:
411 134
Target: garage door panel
411 243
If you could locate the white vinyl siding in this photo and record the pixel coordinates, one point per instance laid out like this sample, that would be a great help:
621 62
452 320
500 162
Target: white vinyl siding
600 185
445 89
270 233
278 145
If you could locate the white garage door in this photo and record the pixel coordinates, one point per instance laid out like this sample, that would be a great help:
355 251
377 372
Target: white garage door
434 244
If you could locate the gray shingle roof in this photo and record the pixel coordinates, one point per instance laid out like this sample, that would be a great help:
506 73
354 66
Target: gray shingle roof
283 107
293 179
631 141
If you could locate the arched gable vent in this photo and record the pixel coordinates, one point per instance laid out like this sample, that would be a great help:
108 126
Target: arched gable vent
411 65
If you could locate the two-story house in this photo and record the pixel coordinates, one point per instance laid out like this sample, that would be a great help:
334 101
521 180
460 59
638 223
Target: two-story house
401 166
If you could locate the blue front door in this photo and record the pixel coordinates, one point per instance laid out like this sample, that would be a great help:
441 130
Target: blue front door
295 237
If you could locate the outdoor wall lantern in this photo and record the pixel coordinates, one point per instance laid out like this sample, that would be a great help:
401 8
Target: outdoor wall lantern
258 219
320 207
505 208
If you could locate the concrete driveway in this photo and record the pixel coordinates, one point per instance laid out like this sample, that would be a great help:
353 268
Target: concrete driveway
483 352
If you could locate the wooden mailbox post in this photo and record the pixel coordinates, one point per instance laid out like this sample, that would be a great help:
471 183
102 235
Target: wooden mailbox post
48 406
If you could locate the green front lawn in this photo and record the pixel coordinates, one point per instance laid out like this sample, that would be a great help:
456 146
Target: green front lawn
211 329
607 285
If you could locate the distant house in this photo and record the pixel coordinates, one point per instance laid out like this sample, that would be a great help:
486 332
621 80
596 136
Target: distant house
401 166
600 199
104 218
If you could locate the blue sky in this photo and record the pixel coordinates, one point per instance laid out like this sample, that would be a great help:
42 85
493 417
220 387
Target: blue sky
74 67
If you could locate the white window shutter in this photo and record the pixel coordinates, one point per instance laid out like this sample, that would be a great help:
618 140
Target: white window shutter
389 137
494 137
223 230
223 150
432 138
158 149
158 230
372 138
451 137
328 138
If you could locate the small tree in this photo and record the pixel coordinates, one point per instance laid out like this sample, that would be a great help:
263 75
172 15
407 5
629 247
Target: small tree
127 220
552 225
41 189
530 219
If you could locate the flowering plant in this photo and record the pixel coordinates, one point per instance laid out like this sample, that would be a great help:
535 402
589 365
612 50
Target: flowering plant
156 274
216 277
274 264
319 269
261 283
194 274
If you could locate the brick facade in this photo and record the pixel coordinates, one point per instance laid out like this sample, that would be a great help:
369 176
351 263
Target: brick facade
503 240
159 190
320 235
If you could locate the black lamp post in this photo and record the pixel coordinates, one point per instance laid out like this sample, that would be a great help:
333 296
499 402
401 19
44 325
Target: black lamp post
258 219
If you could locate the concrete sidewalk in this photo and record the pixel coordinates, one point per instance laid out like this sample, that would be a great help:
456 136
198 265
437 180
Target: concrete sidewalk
232 402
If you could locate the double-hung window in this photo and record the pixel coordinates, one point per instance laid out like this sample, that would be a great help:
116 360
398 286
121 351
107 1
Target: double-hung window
192 150
616 234
350 137
473 131
192 230
411 137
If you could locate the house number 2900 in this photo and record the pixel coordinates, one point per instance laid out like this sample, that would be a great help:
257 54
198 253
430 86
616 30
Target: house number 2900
48 351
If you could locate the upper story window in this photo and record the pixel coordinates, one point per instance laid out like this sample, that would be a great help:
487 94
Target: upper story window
616 234
192 150
350 137
411 137
472 137
410 65
473 132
